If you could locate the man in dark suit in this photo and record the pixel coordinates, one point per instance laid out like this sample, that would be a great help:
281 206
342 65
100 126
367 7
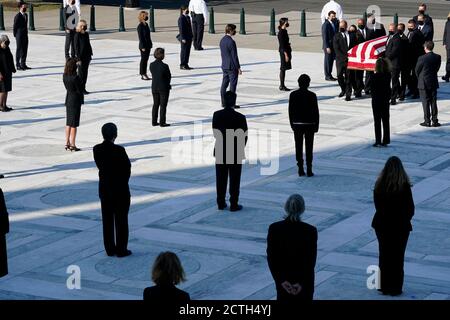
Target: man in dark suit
361 36
161 87
292 253
342 42
186 36
20 31
427 21
4 229
231 67
446 43
230 132
395 52
304 121
374 30
427 69
426 29
415 50
403 60
329 29
114 172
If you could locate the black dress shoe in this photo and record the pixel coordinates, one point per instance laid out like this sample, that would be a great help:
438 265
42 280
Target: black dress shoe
221 207
446 79
20 69
401 98
425 124
436 124
164 125
348 98
329 79
155 124
358 95
309 173
283 88
236 208
4 109
110 254
384 145
186 68
376 144
86 92
236 107
1 176
26 68
301 172
8 108
124 254
145 77
341 94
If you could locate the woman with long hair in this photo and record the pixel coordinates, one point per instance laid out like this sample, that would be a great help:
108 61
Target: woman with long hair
394 206
74 100
285 50
145 43
381 95
6 70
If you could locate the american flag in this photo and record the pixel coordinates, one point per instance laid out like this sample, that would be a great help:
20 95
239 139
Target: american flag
364 55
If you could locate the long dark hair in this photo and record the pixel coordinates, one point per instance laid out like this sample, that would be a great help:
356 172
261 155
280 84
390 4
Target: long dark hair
393 177
167 269
71 67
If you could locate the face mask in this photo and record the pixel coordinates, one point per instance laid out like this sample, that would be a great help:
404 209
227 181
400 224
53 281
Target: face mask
73 2
84 28
24 10
146 18
421 11
410 29
400 32
420 23
391 33
361 26
333 20
342 29
287 25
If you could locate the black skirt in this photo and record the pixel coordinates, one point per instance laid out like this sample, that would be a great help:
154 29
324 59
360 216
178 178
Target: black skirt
6 84
285 65
73 116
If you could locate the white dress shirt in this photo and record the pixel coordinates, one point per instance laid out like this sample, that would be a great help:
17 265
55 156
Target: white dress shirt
77 5
331 6
199 7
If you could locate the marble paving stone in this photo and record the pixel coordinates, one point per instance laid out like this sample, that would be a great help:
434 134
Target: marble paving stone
52 194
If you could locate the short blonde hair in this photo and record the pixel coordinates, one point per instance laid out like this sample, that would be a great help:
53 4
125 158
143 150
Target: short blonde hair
294 207
80 25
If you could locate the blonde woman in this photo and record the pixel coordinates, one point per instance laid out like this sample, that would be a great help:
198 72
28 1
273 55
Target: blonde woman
145 43
83 51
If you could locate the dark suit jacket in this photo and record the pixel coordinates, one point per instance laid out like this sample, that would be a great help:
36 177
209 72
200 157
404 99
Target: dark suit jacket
395 51
224 119
427 69
160 76
4 221
283 42
341 48
427 32
292 253
428 21
166 294
303 108
114 170
145 40
446 38
74 86
328 34
415 46
381 91
394 211
363 36
380 31
185 28
20 28
82 46
7 67
228 51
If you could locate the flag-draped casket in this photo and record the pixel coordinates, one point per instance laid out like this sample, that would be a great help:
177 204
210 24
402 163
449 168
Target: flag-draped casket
364 55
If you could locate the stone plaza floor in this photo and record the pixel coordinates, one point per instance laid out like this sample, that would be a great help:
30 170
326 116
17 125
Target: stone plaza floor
53 202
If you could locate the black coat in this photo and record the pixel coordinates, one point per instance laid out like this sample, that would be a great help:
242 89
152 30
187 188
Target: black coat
427 32
363 34
446 38
185 28
164 294
394 211
341 48
145 40
303 107
415 46
372 33
427 69
160 76
114 170
20 28
74 86
428 21
328 34
292 253
396 51
7 67
224 119
82 46
283 42
4 220
381 91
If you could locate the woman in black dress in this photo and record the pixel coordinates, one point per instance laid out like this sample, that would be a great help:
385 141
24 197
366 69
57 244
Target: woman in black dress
4 229
285 51
6 70
74 100
381 94
145 43
394 206
83 51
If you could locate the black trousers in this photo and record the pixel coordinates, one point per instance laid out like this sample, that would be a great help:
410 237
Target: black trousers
429 104
328 63
299 135
160 100
115 221
381 115
396 86
346 80
359 81
3 256
83 71
21 51
185 53
198 27
392 247
70 36
447 66
368 81
411 78
223 171
230 77
144 60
